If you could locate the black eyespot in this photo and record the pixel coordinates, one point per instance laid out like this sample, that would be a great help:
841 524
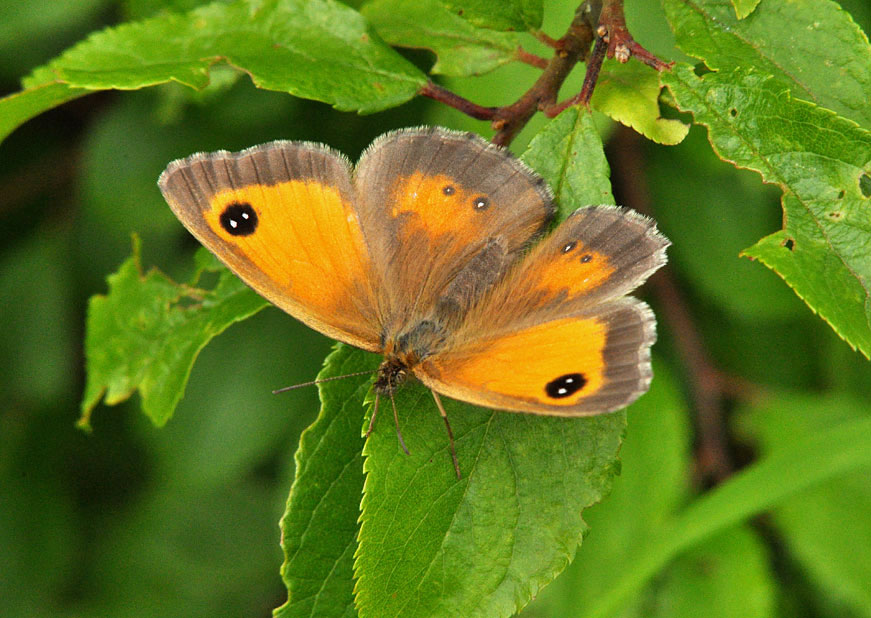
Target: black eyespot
449 189
481 202
566 385
569 246
586 258
239 219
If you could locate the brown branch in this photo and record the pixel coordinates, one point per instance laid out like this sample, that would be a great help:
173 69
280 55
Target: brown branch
621 45
531 59
594 65
437 93
547 40
612 40
572 47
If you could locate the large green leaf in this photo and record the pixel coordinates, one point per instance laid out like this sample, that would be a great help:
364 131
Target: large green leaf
308 49
319 527
147 332
819 160
813 47
484 545
431 544
517 15
461 48
567 152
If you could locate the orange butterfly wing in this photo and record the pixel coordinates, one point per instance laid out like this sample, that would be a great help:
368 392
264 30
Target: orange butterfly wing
445 213
557 335
281 217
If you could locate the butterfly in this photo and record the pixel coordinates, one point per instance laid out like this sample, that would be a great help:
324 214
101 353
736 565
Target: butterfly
433 251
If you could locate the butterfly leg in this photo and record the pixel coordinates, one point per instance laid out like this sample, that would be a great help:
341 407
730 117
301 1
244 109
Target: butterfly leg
396 420
450 433
372 418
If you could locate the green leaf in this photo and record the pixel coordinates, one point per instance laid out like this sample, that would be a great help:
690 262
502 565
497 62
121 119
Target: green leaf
308 49
727 575
823 526
519 15
567 152
652 485
629 94
319 527
461 48
18 108
817 458
817 159
812 46
147 332
486 544
743 8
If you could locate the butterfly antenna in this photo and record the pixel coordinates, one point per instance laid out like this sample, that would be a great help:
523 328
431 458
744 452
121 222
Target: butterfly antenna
374 414
319 381
444 414
396 420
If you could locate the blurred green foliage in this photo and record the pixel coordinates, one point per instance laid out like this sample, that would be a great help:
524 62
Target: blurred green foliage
182 521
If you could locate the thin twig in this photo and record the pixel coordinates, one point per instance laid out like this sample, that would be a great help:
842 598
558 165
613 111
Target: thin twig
531 59
621 45
608 30
594 65
509 120
436 92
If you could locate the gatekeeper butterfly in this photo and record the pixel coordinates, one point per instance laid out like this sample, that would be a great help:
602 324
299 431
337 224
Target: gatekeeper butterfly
423 252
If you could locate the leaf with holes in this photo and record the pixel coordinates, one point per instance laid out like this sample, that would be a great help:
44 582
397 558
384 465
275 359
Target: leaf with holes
819 160
812 46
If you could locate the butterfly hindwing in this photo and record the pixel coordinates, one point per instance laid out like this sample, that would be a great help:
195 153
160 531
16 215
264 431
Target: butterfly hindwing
557 335
576 365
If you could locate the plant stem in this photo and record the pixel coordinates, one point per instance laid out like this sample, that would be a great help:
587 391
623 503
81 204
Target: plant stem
612 39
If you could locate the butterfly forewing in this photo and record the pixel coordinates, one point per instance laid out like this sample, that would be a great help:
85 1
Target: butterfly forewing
281 217
445 213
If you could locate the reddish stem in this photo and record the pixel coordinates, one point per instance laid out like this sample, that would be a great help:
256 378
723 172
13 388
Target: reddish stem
436 92
612 39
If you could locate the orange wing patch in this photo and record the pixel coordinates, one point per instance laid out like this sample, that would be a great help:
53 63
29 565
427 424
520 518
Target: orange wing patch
545 367
437 204
317 260
568 268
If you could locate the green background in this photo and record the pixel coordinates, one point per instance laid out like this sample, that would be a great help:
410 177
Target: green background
183 521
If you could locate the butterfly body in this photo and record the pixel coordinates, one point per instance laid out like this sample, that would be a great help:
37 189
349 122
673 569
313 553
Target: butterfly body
430 251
